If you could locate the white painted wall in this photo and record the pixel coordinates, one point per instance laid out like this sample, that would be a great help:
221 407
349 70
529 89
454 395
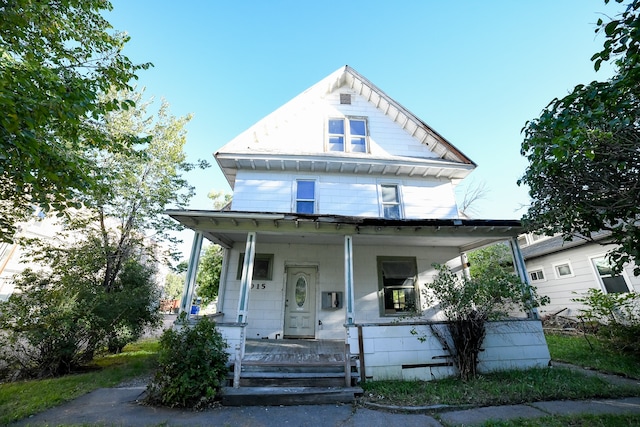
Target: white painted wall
13 256
349 195
508 345
562 290
266 300
299 127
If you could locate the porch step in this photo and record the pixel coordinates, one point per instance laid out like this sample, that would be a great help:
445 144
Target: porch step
294 379
288 367
274 396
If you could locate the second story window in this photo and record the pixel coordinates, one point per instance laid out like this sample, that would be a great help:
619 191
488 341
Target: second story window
349 134
390 199
305 196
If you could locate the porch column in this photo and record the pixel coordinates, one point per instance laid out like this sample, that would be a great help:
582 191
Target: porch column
521 269
192 270
222 286
348 280
465 265
247 276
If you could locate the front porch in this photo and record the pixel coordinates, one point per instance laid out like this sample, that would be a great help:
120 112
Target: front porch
292 371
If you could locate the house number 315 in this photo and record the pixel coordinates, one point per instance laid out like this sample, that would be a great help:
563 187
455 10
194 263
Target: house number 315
258 286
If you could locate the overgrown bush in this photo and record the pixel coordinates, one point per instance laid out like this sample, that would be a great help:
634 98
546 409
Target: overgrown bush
192 366
58 318
617 317
468 303
44 331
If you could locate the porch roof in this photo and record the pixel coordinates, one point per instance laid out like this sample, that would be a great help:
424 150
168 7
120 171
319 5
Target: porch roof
227 227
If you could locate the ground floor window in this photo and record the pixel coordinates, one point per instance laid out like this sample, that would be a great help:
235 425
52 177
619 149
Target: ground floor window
563 270
612 282
262 266
537 275
397 278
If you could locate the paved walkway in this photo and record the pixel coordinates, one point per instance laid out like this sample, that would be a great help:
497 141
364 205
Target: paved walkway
119 407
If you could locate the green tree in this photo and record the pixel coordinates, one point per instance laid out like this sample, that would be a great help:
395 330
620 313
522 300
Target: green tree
220 199
56 59
62 315
208 278
584 151
173 286
490 260
101 280
127 209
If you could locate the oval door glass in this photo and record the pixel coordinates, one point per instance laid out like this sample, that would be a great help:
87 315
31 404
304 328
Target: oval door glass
301 291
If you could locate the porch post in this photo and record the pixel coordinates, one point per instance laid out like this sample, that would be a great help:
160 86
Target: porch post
222 287
521 269
247 276
192 270
465 265
348 279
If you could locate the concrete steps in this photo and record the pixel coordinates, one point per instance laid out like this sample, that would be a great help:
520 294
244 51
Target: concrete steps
276 396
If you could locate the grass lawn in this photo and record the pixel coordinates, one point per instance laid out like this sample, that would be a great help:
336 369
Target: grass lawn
577 351
571 421
21 399
520 386
497 389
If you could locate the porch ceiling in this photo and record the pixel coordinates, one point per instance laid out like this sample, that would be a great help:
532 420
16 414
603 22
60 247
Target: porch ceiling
226 228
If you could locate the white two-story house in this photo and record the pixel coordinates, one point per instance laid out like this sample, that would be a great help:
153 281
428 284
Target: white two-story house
342 202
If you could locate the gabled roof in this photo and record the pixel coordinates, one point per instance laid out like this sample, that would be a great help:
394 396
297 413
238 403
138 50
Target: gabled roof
559 244
248 151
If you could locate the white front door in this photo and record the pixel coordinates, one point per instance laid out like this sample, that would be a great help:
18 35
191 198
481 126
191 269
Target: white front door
300 303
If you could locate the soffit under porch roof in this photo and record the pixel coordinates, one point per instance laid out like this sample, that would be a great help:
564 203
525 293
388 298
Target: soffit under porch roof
228 227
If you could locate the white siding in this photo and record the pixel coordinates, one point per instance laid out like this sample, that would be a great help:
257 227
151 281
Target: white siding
266 303
508 345
562 290
343 195
299 127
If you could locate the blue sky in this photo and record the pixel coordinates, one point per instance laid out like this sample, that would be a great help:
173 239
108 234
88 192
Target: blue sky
475 71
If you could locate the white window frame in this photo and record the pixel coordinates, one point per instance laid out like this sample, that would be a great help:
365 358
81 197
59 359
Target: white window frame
533 270
295 200
599 277
346 141
382 289
381 203
556 269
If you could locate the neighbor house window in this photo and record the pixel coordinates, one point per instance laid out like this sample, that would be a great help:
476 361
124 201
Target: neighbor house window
537 275
305 196
563 270
397 278
390 201
348 134
262 266
611 282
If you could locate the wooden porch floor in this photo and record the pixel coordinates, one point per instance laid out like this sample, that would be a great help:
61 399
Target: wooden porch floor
294 351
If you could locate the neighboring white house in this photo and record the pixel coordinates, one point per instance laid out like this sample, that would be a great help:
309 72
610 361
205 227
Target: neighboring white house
49 229
564 270
342 201
12 261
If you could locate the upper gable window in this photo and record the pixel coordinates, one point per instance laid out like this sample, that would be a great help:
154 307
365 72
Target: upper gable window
348 134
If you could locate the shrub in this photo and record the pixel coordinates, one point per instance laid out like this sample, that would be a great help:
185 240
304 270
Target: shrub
192 366
59 318
468 303
45 331
617 317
